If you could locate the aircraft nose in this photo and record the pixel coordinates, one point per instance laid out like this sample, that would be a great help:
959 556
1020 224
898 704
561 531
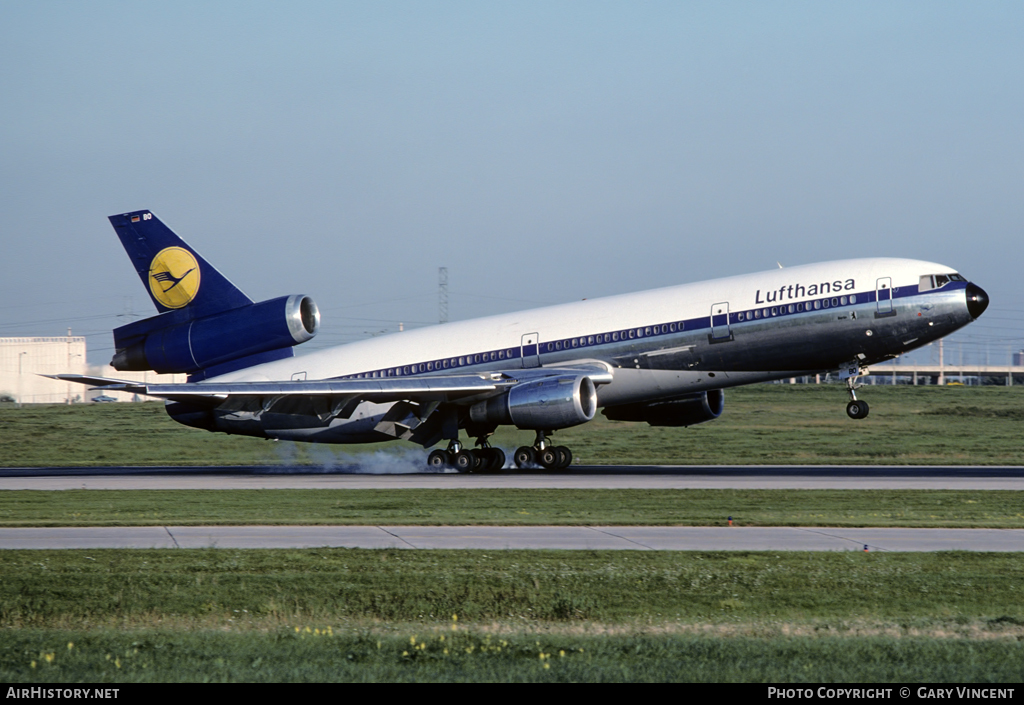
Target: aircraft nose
977 300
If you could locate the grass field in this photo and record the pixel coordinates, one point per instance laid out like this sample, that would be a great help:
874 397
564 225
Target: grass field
341 614
516 507
762 424
388 615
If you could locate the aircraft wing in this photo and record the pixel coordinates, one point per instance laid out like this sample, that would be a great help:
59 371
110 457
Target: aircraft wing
420 389
425 389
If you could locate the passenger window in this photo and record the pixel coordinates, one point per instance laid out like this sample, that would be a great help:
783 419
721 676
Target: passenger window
792 308
835 302
853 298
775 310
757 313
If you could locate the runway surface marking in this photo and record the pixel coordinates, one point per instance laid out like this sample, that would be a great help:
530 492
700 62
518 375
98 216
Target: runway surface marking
643 538
583 477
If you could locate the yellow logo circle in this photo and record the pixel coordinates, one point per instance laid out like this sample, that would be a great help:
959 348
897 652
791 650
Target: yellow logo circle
174 277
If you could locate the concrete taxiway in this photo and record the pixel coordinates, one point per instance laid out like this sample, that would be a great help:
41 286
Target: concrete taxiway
634 538
407 476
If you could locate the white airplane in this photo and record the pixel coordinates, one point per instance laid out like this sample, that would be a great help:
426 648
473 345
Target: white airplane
662 356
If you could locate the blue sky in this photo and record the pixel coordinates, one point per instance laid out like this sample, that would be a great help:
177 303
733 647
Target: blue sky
542 152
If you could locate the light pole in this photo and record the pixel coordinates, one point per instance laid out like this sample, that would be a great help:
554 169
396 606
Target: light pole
20 356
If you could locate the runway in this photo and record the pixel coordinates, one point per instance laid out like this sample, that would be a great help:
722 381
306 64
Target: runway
404 476
493 538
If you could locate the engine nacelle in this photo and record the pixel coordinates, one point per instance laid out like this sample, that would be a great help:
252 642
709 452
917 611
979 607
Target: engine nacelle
200 343
541 405
676 412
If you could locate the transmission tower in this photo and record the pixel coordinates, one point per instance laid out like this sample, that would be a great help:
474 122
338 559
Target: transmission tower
442 294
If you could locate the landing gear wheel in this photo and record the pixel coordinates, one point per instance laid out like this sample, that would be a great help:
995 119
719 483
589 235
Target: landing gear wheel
564 457
857 409
463 461
524 457
480 459
497 459
488 459
549 458
439 460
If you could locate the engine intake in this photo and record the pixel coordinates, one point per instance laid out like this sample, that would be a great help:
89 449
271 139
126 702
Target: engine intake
705 406
200 343
541 405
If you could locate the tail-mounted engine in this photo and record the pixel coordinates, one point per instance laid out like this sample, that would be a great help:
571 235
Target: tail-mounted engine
173 342
543 404
676 412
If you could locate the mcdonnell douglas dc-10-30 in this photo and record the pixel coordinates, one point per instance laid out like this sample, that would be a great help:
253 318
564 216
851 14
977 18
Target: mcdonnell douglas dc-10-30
662 357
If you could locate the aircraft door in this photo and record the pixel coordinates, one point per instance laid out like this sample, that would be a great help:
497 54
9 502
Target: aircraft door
720 330
530 350
883 294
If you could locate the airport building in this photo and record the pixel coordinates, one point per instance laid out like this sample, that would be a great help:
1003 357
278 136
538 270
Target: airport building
23 360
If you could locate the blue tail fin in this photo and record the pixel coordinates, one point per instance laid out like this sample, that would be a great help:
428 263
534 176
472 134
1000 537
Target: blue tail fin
176 277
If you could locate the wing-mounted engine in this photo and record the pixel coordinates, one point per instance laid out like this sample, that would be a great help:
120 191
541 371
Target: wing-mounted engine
176 342
688 411
547 403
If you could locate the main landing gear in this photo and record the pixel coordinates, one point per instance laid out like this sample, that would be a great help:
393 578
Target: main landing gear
485 458
546 456
856 409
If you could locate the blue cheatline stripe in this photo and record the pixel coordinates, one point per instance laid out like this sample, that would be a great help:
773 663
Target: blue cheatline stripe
691 325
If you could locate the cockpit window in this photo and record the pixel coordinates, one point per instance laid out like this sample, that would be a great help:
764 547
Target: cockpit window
936 281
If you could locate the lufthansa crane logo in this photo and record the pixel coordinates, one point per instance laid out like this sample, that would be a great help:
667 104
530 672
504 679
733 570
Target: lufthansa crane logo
174 277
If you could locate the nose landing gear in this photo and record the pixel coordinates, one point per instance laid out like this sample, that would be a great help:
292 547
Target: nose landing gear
856 409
